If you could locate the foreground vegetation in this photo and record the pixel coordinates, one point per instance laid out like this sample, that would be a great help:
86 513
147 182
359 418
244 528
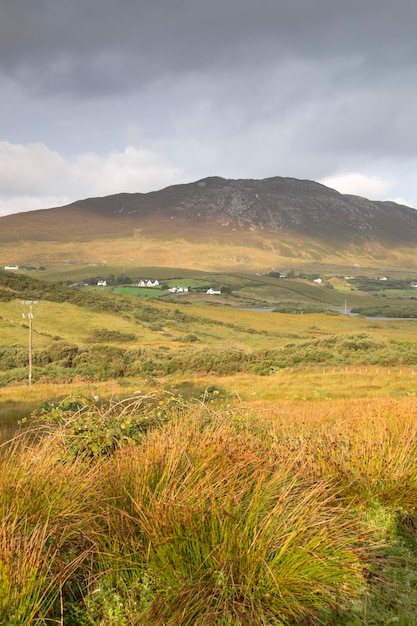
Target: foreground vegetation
159 511
198 465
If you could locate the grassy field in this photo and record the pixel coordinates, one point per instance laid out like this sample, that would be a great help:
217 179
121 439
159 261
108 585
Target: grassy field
194 463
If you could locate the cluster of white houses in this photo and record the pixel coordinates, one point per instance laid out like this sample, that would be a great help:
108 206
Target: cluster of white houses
178 289
210 291
141 283
155 283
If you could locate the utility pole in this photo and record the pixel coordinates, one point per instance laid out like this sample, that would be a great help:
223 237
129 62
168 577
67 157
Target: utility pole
30 310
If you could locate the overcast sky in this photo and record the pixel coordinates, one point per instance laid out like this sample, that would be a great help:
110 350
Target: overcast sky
100 96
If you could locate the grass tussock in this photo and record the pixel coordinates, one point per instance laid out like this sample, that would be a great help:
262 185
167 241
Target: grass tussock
44 537
233 534
211 517
373 458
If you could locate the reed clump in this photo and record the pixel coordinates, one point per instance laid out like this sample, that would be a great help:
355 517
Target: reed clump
207 517
47 529
231 533
369 458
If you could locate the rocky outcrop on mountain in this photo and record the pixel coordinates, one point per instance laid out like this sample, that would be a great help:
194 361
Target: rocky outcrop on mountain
273 204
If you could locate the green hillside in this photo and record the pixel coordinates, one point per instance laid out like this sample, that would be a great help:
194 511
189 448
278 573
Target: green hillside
88 333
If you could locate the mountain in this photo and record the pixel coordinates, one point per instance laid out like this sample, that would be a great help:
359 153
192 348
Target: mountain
285 217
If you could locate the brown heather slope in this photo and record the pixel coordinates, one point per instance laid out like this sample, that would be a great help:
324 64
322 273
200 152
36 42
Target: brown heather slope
216 223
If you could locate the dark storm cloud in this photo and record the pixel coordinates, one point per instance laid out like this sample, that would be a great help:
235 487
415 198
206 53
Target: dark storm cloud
98 46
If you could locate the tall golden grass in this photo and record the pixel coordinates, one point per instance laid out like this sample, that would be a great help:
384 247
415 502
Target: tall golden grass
220 516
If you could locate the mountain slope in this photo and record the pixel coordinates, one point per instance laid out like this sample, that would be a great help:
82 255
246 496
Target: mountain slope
267 213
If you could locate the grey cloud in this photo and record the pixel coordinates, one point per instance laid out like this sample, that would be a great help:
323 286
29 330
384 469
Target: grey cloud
98 46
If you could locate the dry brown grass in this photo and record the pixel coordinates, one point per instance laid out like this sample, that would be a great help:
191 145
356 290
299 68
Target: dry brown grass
211 252
314 385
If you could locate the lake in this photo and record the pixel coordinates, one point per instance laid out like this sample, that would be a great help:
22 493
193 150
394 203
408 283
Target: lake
344 311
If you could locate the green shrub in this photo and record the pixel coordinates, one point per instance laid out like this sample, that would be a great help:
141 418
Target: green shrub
92 429
63 352
105 335
189 338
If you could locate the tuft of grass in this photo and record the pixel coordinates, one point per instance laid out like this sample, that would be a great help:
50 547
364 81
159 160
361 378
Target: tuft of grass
229 534
24 584
373 458
47 530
